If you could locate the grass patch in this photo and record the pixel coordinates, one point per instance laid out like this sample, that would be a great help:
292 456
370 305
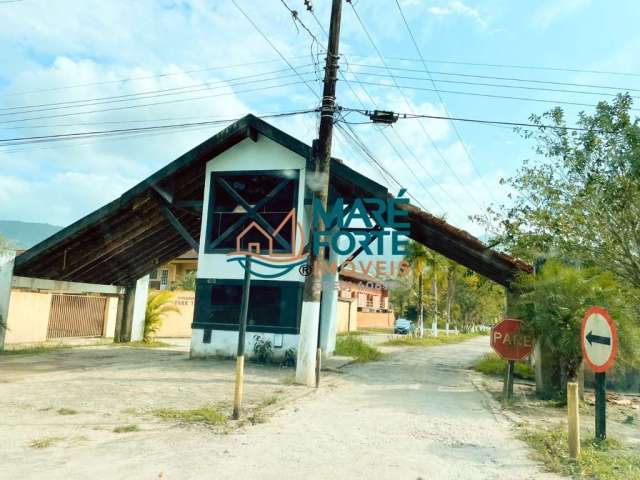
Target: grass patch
142 344
288 380
204 415
429 341
44 442
377 330
351 346
607 460
267 402
355 333
34 350
126 429
66 411
492 364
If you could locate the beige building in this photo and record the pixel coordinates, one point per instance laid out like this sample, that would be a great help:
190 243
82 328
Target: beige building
45 310
169 274
363 302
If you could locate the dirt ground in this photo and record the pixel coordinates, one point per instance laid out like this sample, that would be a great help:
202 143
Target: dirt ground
623 412
415 414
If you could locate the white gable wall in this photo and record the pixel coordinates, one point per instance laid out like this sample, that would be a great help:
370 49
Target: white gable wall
265 154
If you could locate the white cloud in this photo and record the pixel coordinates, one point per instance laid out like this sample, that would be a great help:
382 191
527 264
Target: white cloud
457 7
101 41
554 11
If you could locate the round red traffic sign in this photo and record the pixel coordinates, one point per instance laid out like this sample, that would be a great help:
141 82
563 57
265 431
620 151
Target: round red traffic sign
599 339
509 342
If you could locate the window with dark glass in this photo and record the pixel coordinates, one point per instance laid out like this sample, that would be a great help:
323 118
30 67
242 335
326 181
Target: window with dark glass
251 209
273 305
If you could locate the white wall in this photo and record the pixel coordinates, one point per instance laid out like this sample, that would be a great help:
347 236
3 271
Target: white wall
7 259
224 343
139 308
265 154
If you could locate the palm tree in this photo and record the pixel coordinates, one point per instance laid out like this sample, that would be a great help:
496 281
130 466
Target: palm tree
159 303
454 271
436 270
417 255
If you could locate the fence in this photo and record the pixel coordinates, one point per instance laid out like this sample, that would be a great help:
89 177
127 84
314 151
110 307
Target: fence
76 316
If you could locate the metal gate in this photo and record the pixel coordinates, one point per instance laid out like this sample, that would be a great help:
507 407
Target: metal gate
76 316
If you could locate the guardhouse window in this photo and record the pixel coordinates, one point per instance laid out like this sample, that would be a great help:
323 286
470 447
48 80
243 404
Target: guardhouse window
252 211
273 305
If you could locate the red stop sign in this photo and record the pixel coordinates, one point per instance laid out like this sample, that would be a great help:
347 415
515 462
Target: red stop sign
508 342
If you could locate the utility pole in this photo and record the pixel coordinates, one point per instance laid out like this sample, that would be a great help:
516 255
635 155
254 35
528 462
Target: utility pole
308 345
421 304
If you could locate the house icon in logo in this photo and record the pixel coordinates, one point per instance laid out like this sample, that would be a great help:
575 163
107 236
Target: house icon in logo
255 248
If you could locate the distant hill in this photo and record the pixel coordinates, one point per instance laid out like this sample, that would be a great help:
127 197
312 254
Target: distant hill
25 235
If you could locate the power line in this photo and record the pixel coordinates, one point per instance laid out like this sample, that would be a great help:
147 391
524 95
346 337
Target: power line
348 132
494 77
364 28
502 122
353 132
119 131
506 65
446 109
273 46
488 95
495 85
166 102
150 93
147 77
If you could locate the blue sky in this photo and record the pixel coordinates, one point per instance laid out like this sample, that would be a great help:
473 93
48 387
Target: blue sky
53 45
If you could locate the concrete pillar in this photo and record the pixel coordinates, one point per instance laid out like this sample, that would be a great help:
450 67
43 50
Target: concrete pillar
139 308
308 344
328 310
125 315
7 258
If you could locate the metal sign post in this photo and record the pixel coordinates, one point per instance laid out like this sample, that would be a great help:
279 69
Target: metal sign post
512 345
242 328
599 340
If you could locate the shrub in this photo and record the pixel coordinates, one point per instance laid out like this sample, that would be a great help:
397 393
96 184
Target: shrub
290 358
262 349
354 347
492 364
159 304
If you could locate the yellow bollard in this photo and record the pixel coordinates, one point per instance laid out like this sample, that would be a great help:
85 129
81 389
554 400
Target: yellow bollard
574 419
237 399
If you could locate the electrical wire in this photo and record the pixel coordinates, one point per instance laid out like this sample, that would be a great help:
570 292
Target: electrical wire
435 147
488 95
151 93
494 77
443 103
500 123
497 85
119 131
512 66
166 102
147 77
380 131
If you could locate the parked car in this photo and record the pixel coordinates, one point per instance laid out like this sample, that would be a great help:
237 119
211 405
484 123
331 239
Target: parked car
403 326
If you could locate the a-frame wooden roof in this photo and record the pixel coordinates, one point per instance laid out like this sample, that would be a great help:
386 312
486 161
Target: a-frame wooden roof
152 222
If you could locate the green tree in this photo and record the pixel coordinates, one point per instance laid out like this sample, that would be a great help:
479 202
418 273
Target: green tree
583 200
418 255
401 295
159 303
436 274
552 305
188 282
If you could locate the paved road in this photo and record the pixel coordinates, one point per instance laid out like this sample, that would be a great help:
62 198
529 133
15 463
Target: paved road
413 415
